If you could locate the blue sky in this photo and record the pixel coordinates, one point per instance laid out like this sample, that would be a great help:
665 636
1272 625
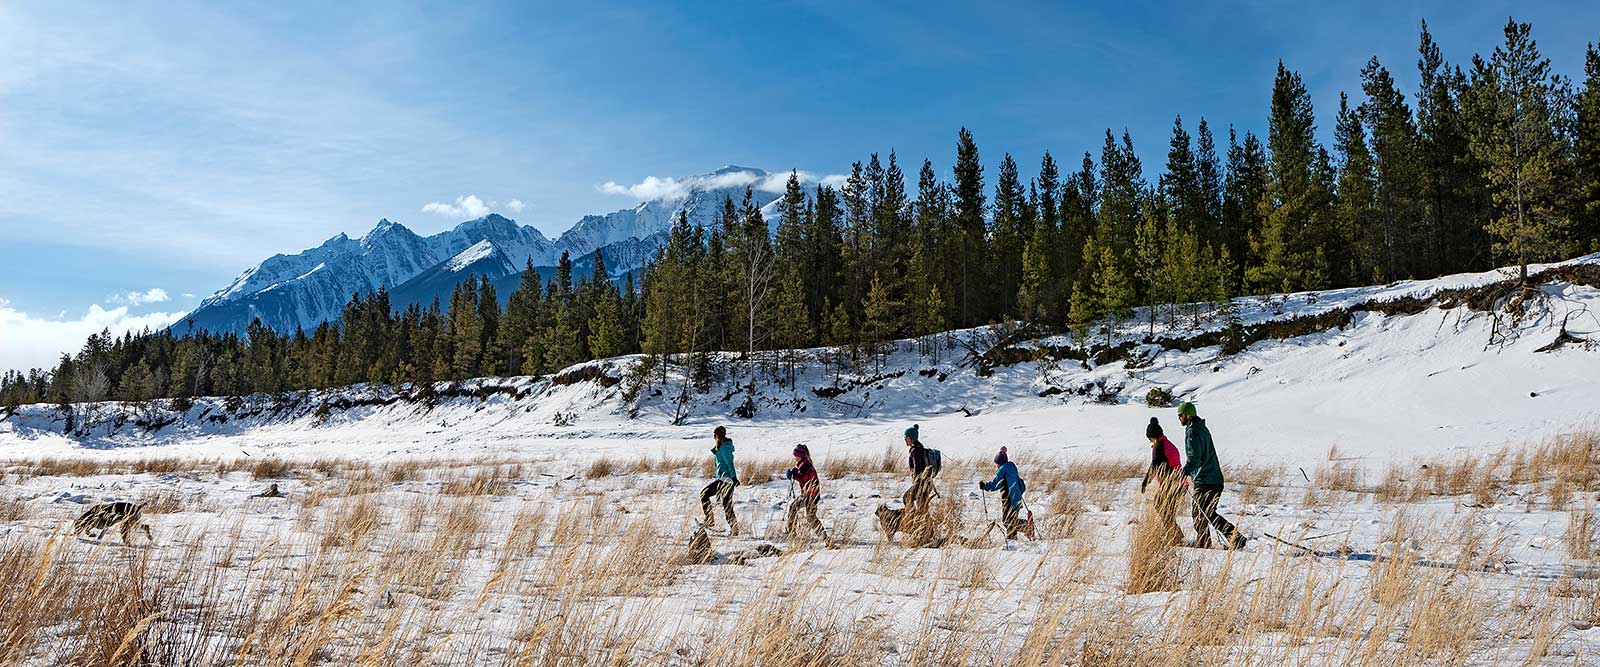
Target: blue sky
171 145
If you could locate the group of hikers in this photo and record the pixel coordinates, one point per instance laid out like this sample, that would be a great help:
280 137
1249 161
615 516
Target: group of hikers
1168 476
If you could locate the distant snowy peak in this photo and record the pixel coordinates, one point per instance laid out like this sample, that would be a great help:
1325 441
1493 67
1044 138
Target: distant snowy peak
699 197
477 252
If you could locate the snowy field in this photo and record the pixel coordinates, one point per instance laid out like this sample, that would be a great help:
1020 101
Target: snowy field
1419 488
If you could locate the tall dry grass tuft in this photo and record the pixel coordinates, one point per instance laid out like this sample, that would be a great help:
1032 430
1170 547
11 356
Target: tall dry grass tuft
353 524
491 480
1153 545
603 466
1582 535
270 467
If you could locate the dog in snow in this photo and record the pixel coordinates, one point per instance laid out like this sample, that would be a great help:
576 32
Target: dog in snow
889 520
105 516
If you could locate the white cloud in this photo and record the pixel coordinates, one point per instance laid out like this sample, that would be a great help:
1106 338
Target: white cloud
137 298
651 188
657 188
188 295
466 206
28 342
515 206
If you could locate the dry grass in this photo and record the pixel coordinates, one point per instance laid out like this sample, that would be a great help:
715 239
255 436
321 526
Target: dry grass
458 573
604 466
891 460
1153 547
1582 535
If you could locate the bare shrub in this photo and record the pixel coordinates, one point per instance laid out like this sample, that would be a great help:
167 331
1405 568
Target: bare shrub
604 466
270 467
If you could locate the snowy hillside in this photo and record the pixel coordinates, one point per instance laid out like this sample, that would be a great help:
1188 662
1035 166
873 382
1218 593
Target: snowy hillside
309 287
1379 373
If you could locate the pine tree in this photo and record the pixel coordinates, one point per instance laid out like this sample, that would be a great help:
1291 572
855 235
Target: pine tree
1209 174
1451 176
939 241
1085 306
793 327
824 243
466 331
893 246
1007 239
1515 103
1115 291
1080 193
877 324
1147 254
934 322
1292 243
1035 296
1399 192
1122 189
969 226
1185 196
1244 191
1587 167
1357 204
605 329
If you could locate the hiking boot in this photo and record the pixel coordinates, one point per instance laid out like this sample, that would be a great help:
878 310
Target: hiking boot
1238 542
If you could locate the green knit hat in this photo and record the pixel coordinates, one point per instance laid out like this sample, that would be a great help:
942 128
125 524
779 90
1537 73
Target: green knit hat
912 433
1187 409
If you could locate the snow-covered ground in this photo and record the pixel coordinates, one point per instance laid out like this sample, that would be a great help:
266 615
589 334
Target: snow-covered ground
1384 388
1472 559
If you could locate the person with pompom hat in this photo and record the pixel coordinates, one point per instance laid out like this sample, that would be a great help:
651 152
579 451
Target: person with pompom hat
924 466
1009 483
1164 471
804 473
1205 473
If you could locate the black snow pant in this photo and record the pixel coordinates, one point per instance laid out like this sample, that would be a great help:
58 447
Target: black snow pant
1206 497
808 505
721 489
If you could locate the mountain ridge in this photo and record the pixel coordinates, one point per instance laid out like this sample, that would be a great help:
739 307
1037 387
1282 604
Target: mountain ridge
304 289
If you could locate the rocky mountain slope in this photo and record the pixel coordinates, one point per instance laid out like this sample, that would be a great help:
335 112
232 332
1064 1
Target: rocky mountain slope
309 287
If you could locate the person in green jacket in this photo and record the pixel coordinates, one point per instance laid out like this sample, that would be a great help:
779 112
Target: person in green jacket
721 487
1205 473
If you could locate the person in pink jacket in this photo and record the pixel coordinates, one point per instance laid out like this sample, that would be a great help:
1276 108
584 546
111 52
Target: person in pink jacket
1166 470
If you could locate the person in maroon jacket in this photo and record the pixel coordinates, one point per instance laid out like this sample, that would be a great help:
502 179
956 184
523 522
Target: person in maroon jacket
1166 470
804 473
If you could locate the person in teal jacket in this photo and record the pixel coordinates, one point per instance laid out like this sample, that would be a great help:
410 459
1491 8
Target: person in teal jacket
1009 483
721 487
1205 473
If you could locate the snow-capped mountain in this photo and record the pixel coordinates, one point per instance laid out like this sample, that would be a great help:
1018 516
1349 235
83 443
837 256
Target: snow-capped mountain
312 286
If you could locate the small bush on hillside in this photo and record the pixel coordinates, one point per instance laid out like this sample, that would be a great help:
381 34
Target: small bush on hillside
1159 397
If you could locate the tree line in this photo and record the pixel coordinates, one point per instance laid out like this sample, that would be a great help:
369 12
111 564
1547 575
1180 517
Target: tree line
1493 161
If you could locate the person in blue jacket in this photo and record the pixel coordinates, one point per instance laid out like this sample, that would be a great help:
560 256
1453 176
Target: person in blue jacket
721 488
1010 485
